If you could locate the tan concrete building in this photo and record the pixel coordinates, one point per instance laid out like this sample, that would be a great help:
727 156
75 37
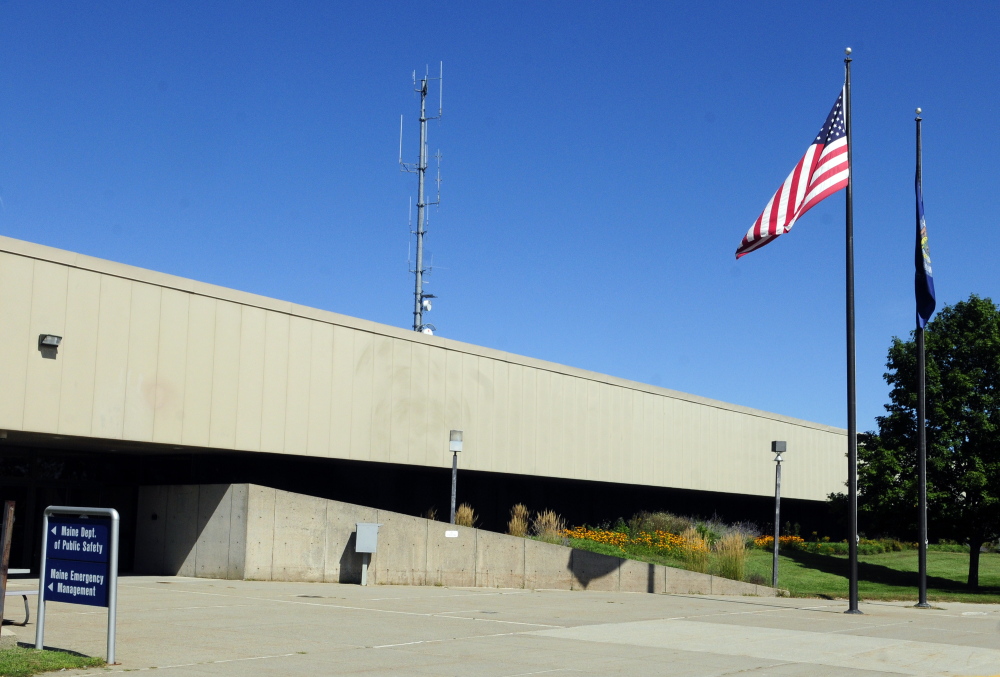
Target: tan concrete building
159 379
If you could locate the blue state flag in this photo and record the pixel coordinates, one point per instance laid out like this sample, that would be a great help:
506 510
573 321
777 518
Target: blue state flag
924 280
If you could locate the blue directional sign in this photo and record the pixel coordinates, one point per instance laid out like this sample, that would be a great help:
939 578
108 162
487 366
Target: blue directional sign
76 582
76 565
78 539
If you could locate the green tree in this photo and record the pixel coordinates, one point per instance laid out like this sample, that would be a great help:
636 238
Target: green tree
963 433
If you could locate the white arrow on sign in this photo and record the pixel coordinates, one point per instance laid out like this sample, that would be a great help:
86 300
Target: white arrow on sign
53 530
50 586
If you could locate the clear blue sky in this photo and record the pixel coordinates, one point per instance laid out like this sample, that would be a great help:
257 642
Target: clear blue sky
601 163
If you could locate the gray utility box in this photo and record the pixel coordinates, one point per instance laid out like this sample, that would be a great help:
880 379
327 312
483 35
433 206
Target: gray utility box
366 543
367 538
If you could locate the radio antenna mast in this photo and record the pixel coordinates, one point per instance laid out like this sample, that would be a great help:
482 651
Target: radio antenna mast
421 299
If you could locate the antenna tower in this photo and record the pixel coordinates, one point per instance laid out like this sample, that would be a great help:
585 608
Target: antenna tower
421 299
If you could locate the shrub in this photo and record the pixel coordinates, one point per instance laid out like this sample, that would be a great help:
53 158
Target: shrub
431 514
731 556
651 522
518 523
548 526
465 516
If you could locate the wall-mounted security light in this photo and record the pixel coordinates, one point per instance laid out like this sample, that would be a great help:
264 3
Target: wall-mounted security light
455 440
48 345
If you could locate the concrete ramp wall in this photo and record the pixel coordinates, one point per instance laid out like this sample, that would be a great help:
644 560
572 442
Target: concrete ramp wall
245 531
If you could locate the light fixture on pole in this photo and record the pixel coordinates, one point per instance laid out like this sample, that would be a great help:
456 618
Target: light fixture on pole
777 448
454 446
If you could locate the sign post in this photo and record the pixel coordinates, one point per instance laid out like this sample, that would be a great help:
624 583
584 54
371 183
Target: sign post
79 563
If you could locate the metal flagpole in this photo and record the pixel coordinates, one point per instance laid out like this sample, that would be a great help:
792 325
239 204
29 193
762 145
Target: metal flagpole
852 422
921 411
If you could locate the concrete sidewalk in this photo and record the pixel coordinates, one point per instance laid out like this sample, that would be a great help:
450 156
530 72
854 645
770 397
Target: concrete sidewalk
188 626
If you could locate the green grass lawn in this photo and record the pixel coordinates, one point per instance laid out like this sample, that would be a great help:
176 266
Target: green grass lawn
22 662
888 576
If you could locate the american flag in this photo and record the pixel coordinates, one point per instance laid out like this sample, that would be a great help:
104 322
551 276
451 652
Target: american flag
821 172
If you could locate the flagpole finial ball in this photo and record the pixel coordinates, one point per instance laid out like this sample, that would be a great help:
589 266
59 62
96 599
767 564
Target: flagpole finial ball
919 111
847 51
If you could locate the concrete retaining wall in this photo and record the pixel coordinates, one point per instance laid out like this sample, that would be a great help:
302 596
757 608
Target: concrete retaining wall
245 531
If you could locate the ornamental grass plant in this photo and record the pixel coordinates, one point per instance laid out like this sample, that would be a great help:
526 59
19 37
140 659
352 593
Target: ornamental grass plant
731 556
548 526
695 550
465 516
518 523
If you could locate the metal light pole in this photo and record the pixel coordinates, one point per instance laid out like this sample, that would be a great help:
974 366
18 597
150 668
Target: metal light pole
777 448
454 446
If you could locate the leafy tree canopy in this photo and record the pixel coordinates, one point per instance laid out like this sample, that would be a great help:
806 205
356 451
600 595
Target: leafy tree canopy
963 433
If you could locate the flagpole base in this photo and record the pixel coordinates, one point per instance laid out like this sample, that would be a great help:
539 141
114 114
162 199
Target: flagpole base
855 611
923 605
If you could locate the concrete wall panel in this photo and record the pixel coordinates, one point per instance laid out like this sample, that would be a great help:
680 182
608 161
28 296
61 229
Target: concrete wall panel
547 566
679 581
402 422
299 537
49 292
415 426
402 550
362 393
143 348
341 563
341 392
16 275
297 396
82 314
641 577
249 401
215 514
258 563
111 369
320 390
225 375
171 368
275 394
239 495
450 560
198 370
499 560
381 408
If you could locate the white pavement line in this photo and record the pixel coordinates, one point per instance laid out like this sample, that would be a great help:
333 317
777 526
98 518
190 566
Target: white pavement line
542 672
105 671
447 639
716 614
470 594
867 627
496 620
166 608
437 614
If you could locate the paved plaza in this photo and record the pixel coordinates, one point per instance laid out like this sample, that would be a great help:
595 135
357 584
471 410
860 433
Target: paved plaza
199 627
